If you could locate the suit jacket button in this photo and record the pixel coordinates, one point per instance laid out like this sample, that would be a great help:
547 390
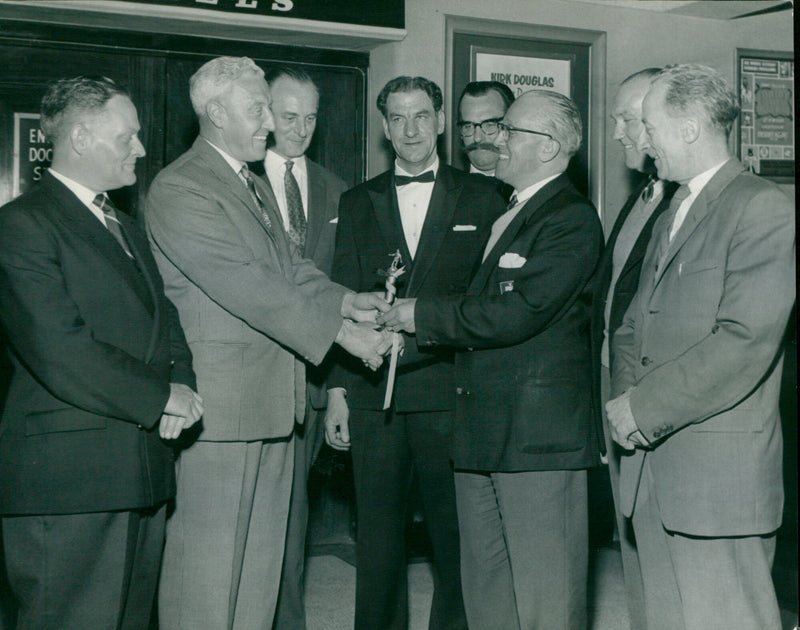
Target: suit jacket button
646 361
459 390
714 329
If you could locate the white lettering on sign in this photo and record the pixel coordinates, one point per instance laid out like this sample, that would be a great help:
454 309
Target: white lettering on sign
246 4
282 5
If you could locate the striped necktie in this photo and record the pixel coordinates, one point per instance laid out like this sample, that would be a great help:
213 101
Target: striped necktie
251 187
112 223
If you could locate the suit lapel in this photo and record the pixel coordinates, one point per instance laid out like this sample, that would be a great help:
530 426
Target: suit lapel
387 216
316 199
538 200
438 222
79 219
702 205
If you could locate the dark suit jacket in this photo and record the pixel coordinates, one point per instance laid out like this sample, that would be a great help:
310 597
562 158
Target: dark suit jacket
460 214
701 345
524 375
93 340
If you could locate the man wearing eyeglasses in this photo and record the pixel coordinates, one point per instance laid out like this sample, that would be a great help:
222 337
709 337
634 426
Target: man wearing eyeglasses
524 413
438 218
481 106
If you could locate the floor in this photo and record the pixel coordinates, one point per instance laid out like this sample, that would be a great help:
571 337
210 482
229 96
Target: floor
330 593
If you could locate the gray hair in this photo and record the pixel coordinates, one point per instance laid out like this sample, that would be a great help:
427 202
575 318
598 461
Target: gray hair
67 97
560 117
215 77
698 89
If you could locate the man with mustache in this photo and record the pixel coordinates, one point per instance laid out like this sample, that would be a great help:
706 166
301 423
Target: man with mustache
481 106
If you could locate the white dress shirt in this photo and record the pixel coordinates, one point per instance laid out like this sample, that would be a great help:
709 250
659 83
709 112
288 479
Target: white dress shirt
275 168
696 185
413 200
86 195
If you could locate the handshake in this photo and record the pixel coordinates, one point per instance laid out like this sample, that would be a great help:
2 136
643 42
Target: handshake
362 333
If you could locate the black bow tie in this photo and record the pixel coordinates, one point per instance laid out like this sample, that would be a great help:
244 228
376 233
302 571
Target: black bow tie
426 177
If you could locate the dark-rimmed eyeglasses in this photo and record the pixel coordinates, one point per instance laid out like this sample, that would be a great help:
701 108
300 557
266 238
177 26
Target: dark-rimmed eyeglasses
489 127
505 128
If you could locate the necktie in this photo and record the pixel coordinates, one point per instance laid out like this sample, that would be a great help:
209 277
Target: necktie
294 207
426 177
112 223
251 186
647 193
669 217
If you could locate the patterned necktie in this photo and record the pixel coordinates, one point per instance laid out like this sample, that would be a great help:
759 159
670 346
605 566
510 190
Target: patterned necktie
294 207
425 178
251 186
669 217
112 223
511 202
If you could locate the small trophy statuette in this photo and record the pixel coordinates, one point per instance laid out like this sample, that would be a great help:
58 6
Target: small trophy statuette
394 271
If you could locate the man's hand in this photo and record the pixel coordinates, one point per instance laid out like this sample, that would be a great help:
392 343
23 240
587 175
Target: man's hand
184 408
363 307
365 342
623 426
337 416
400 317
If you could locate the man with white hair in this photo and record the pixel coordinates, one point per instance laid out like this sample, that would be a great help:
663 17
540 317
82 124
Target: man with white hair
524 416
253 311
697 370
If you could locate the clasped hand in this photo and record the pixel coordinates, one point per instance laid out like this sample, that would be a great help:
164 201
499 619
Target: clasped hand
183 409
400 316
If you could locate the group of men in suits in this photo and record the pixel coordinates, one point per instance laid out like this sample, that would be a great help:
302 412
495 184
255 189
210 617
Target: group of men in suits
505 316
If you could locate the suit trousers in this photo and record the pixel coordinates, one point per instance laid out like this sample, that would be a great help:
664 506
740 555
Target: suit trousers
385 447
631 571
224 548
524 549
290 613
79 571
699 583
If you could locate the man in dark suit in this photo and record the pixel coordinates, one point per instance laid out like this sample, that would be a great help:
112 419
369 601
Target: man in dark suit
697 367
438 218
254 311
618 278
524 426
101 376
308 200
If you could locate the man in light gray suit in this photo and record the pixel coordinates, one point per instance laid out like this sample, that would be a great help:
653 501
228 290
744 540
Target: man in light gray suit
310 219
253 311
697 369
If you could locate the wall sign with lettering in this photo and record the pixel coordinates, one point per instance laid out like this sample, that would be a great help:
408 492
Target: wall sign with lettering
386 13
32 152
522 72
766 121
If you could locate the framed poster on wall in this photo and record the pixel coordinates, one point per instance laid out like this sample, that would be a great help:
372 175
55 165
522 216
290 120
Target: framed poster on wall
766 140
528 57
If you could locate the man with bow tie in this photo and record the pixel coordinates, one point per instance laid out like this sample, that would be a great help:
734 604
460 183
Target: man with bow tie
524 416
438 218
618 279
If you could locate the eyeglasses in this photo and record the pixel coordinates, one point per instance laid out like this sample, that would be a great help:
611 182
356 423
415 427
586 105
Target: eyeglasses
505 128
489 127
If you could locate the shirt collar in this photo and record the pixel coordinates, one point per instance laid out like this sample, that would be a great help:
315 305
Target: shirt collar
277 162
698 182
235 164
398 170
526 193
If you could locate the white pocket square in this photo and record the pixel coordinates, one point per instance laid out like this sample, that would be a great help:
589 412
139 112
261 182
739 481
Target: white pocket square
334 220
510 260
464 228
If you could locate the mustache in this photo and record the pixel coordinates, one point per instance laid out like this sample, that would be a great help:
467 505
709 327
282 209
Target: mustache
481 146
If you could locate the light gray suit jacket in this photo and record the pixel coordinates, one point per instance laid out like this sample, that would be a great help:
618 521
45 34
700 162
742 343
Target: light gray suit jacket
249 304
701 343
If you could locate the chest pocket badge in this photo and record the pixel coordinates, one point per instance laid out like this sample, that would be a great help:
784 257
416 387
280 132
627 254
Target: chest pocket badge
506 286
